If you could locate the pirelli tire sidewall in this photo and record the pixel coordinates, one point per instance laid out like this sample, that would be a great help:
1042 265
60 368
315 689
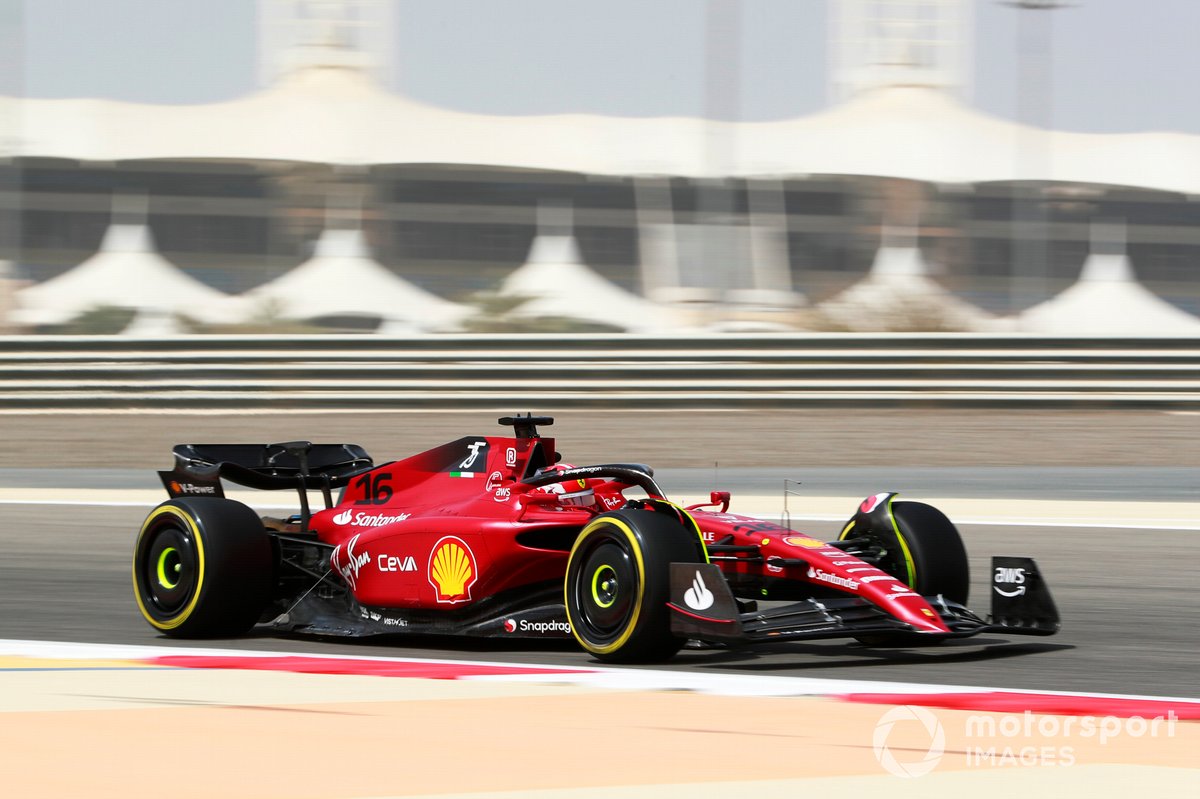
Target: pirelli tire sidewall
926 551
936 549
202 567
618 583
924 548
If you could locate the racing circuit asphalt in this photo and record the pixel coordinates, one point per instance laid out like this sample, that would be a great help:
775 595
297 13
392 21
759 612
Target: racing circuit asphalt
1128 597
1130 608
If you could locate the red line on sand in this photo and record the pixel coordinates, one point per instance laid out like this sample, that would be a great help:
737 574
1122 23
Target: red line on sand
1053 704
430 670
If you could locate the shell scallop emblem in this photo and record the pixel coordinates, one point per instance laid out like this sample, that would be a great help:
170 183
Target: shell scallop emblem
452 570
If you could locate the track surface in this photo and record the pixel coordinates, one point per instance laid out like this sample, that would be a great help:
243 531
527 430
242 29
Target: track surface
1128 599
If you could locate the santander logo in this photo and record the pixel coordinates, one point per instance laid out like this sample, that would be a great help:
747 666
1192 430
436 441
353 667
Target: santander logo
361 519
820 575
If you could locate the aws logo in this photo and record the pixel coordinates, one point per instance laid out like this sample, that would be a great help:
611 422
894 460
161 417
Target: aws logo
452 570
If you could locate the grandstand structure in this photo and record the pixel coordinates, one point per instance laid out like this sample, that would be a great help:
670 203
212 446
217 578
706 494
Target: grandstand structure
237 193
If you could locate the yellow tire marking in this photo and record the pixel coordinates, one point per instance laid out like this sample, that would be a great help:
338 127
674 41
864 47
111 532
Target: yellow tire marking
163 580
908 558
178 513
631 625
596 589
909 565
692 521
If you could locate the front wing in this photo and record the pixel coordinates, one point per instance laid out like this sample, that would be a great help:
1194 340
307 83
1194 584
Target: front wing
703 608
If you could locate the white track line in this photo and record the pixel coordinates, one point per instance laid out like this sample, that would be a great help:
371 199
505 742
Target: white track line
600 678
119 503
994 521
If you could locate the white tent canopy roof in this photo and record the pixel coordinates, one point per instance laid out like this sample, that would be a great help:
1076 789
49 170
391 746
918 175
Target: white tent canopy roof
898 293
127 272
558 284
343 279
1108 300
336 115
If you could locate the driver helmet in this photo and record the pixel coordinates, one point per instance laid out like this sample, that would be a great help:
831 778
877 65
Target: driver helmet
576 492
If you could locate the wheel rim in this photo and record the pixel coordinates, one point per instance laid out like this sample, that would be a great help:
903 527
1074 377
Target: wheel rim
170 564
605 585
167 570
606 592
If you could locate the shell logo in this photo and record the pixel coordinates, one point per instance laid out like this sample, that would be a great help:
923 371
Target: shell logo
452 570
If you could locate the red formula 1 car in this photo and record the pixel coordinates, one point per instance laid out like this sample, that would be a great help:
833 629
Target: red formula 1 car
491 536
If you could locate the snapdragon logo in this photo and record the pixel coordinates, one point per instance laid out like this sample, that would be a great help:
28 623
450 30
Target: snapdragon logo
907 760
539 627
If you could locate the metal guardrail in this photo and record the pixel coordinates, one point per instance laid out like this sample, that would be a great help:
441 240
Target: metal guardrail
545 371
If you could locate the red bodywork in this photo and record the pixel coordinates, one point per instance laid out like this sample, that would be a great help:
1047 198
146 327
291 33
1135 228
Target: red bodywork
453 525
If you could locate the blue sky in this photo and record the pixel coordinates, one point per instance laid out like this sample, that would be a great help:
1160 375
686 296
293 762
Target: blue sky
1117 65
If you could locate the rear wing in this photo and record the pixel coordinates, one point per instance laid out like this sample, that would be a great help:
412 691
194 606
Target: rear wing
298 465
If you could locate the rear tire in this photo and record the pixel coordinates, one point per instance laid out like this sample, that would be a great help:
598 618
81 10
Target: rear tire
618 584
202 567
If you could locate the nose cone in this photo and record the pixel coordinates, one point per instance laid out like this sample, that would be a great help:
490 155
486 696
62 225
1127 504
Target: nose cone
831 567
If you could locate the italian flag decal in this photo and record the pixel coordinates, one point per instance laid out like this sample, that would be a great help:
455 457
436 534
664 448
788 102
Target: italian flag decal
464 474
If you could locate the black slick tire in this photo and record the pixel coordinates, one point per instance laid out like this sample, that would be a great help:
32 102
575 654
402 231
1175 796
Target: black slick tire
924 550
618 583
202 567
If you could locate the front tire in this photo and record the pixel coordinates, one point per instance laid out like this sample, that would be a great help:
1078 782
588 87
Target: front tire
202 567
924 550
618 584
